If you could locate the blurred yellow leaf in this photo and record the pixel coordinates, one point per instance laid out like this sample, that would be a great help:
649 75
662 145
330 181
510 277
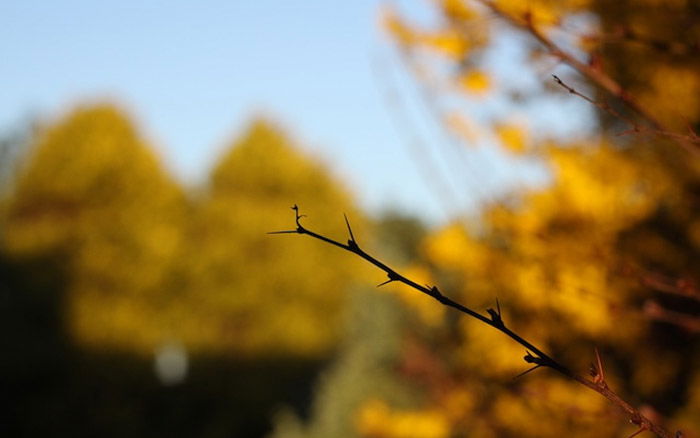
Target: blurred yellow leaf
475 82
512 137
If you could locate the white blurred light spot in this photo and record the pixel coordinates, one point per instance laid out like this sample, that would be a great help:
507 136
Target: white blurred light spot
171 363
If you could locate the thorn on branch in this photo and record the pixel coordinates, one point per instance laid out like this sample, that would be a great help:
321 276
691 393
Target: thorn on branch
527 371
392 277
599 376
529 358
352 243
636 420
496 314
640 430
538 359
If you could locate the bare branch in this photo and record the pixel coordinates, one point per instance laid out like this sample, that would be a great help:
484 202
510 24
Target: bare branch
690 138
533 354
593 74
625 34
681 286
655 311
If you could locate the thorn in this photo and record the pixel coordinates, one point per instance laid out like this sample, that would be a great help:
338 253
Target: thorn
527 371
283 232
352 242
495 317
640 430
599 378
496 314
347 222
392 277
386 282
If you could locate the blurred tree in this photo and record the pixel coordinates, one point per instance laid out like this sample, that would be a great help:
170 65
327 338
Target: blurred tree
92 194
104 264
605 256
251 296
398 236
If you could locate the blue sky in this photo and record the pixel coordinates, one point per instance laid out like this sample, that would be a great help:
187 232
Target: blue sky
193 73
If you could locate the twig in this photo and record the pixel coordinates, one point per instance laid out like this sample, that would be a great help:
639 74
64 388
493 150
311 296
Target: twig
681 287
635 127
592 73
625 34
655 311
495 320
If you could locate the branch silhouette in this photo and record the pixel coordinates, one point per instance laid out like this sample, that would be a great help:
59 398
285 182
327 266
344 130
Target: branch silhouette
533 355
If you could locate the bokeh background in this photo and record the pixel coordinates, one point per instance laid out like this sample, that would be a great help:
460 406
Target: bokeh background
146 148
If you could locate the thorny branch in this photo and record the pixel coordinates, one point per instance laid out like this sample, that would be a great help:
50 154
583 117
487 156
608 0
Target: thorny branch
533 355
635 127
656 311
624 34
593 74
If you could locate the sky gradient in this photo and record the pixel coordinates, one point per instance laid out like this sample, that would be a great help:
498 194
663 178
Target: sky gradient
193 75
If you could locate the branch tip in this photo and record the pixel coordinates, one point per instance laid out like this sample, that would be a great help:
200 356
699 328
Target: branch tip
297 216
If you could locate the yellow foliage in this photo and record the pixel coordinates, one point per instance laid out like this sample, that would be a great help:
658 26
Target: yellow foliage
580 296
458 404
398 29
565 405
558 257
462 127
475 82
376 419
512 137
452 248
540 11
485 349
243 270
93 193
457 9
672 95
426 307
449 43
143 268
